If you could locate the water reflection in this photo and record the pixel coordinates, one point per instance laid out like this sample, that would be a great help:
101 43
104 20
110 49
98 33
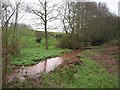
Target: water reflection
44 66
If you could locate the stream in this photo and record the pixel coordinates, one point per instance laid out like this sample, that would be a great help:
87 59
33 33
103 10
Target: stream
43 66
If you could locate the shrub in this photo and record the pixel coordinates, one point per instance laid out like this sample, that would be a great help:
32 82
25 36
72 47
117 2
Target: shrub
57 36
38 36
67 41
38 39
97 42
112 43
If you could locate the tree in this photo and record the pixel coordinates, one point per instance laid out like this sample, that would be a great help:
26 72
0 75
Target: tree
8 12
14 39
6 16
68 17
44 14
88 22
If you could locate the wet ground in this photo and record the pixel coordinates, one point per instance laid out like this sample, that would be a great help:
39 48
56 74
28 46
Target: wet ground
108 58
44 66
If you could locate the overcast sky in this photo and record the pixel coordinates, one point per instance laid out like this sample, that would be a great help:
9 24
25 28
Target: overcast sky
29 19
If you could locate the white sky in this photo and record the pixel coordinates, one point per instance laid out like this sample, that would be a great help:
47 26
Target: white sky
28 18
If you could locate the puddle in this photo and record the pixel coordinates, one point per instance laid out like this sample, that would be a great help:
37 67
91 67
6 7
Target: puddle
44 66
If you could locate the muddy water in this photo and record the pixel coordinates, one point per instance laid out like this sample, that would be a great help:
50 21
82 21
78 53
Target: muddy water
44 66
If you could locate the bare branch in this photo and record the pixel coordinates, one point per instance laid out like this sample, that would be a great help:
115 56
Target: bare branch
53 18
52 8
37 13
42 4
9 18
21 16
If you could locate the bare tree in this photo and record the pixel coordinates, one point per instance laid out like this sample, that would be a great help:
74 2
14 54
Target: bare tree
45 14
69 18
14 43
6 16
8 12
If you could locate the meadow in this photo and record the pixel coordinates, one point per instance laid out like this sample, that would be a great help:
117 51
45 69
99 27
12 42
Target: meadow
32 52
90 74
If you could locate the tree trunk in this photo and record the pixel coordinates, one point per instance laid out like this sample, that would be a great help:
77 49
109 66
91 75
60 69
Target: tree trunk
46 38
4 56
14 39
65 27
4 68
46 34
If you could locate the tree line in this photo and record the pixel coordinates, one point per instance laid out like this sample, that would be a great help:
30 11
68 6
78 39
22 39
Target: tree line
90 22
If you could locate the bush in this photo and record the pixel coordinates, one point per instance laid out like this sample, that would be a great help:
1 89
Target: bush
38 39
97 42
57 36
38 36
112 43
67 41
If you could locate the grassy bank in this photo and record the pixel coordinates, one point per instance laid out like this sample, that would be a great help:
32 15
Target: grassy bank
31 52
88 75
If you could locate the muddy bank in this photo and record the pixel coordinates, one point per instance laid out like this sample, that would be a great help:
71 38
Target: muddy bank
107 58
44 66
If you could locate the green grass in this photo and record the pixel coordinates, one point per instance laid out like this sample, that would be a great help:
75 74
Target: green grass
89 75
31 52
30 56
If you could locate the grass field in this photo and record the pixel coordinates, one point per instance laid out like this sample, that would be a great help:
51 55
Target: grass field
31 52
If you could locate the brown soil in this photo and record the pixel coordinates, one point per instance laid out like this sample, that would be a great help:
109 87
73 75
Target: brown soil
71 58
106 60
75 60
113 50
